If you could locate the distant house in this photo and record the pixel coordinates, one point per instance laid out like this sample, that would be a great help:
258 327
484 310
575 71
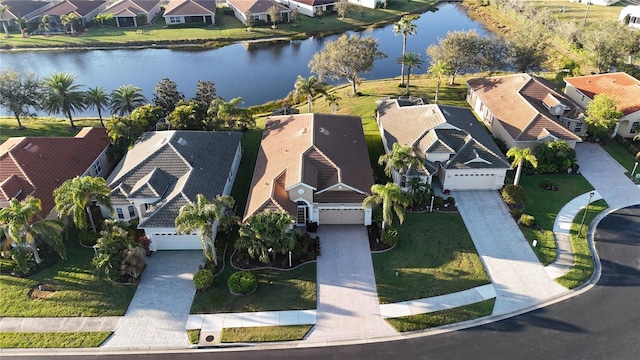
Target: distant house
621 86
166 170
85 10
310 7
133 13
630 16
453 145
525 110
258 8
597 2
190 11
314 167
22 9
36 165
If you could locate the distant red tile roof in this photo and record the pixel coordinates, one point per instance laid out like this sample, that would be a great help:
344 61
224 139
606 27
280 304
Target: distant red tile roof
79 7
622 86
37 165
256 6
190 7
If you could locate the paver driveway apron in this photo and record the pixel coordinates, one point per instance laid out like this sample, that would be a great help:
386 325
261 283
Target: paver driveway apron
158 313
518 277
348 306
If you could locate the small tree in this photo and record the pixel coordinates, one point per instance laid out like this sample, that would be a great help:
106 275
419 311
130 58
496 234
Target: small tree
74 197
206 92
458 49
319 14
332 98
97 98
295 17
125 98
602 115
101 18
392 199
44 24
61 95
274 15
69 19
166 95
266 233
521 156
410 60
342 7
3 10
309 88
20 94
400 158
439 69
248 19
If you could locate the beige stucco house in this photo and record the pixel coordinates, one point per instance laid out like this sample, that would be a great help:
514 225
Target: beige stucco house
314 167
190 11
621 86
259 10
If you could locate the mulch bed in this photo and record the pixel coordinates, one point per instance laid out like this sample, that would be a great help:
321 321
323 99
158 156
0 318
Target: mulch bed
44 290
375 236
281 261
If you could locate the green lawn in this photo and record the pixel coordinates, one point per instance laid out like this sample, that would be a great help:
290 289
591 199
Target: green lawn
265 334
80 293
43 126
443 317
583 268
434 256
23 340
544 205
194 336
621 155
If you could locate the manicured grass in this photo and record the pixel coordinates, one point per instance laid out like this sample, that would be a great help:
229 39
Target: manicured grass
621 155
43 126
583 268
575 11
22 340
265 334
194 336
443 317
434 256
250 145
80 293
544 205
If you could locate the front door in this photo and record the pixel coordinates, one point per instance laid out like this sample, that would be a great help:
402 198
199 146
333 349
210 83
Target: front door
301 216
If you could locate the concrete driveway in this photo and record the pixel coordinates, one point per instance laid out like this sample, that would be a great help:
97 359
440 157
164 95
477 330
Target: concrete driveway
348 306
518 277
607 176
158 313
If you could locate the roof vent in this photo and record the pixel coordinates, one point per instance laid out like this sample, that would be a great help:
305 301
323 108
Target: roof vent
28 146
324 131
182 141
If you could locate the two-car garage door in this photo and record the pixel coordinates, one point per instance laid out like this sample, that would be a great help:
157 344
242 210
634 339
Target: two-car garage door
474 182
341 216
172 241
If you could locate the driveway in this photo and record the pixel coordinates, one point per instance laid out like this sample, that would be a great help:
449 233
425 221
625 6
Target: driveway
348 306
158 313
518 277
607 176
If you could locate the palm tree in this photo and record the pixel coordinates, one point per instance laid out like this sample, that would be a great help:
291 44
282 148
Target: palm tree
234 115
75 195
400 158
125 98
201 217
69 19
310 88
410 60
520 156
21 22
404 27
267 232
44 24
3 10
61 95
332 98
20 222
101 18
439 69
392 199
97 98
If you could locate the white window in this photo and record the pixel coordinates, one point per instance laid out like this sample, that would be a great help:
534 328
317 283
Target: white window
120 213
634 127
97 167
132 211
174 19
578 127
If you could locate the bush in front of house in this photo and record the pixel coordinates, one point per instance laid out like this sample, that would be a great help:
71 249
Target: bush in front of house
513 194
203 279
390 235
527 220
242 283
516 213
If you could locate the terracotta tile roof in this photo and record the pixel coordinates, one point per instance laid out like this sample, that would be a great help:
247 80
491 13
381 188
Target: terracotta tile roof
20 8
517 102
131 7
78 7
319 150
38 165
256 6
622 86
315 2
190 7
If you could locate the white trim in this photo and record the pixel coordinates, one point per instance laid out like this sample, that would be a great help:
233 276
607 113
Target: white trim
340 184
299 184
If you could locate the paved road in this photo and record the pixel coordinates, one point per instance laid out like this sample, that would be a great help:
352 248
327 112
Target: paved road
602 323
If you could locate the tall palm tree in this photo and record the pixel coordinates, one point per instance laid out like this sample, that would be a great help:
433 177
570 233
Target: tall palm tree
3 10
61 95
404 27
201 216
20 222
410 60
234 115
519 157
125 98
392 198
400 158
44 24
97 98
310 88
21 22
439 69
267 232
75 195
69 19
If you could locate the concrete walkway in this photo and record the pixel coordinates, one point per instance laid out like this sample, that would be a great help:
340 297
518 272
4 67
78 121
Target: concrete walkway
348 306
61 324
158 313
518 277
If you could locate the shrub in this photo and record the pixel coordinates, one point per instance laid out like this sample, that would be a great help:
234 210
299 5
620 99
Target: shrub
390 235
438 201
242 282
516 213
527 220
203 279
513 194
547 184
451 201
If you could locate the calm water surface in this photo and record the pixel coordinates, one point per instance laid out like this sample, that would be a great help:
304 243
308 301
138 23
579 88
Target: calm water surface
259 73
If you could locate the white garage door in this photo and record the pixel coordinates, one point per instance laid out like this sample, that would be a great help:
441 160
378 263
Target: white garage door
341 216
474 181
164 241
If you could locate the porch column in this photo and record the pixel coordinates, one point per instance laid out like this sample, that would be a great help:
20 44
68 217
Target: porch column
615 130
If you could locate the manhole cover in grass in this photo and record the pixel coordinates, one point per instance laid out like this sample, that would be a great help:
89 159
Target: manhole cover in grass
44 290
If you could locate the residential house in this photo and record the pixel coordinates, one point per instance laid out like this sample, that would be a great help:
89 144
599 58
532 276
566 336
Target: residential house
85 10
621 86
21 9
36 166
314 167
258 8
190 11
630 16
133 13
453 145
525 110
166 170
310 7
596 2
